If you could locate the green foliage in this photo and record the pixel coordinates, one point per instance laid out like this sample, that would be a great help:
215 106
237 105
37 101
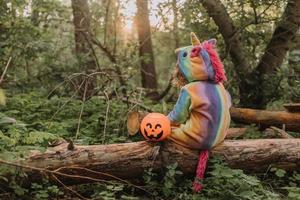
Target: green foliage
111 192
252 132
45 191
42 191
227 183
293 193
167 185
286 182
40 118
221 182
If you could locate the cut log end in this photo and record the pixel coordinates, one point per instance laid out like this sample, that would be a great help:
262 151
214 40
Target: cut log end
133 123
134 119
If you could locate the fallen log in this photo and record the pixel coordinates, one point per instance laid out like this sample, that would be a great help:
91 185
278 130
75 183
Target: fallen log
292 107
274 132
235 132
129 160
291 121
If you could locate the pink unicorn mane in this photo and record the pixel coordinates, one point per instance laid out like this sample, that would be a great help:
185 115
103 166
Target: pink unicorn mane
215 61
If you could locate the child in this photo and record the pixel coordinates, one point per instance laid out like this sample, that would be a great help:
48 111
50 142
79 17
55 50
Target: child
200 118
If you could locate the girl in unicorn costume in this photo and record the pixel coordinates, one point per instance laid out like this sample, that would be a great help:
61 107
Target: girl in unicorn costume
200 118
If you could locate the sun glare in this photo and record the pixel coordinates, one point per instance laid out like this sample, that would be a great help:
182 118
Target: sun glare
129 11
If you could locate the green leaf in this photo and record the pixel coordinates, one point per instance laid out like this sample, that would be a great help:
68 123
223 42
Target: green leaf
280 173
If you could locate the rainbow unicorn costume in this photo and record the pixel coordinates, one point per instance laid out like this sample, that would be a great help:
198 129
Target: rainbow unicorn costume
201 114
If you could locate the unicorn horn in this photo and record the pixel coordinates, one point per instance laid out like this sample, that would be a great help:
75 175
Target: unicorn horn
194 39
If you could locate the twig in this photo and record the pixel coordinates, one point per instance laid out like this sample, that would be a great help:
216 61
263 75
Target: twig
68 188
5 69
106 116
105 174
82 107
43 170
58 110
137 103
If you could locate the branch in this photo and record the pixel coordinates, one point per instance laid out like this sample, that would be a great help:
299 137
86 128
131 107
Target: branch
110 56
5 69
113 59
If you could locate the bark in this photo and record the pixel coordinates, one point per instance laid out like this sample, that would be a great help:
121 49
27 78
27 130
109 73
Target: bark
81 20
148 73
290 121
217 11
129 160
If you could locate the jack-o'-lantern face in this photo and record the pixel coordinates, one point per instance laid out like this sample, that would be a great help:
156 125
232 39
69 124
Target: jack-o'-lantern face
155 127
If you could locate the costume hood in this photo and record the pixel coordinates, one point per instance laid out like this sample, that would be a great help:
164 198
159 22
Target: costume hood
200 61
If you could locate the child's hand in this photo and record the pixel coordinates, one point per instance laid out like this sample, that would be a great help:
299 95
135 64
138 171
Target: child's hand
175 124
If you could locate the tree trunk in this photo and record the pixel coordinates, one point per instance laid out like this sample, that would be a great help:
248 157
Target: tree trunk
83 48
294 70
129 160
35 12
148 73
217 11
276 50
291 121
175 23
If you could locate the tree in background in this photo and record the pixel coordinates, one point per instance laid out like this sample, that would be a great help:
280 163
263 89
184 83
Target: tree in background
293 73
148 72
256 86
83 46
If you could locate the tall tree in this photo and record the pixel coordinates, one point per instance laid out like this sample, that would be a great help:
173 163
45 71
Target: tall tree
83 45
148 72
175 23
294 69
254 85
81 20
34 12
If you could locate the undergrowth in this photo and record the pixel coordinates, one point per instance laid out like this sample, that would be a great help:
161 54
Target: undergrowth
32 121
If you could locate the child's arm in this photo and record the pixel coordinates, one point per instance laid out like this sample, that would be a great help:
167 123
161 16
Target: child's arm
180 112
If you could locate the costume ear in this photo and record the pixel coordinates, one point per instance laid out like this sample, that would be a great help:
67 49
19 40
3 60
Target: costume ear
212 41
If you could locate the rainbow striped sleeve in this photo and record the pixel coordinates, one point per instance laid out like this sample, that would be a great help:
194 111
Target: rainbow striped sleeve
181 110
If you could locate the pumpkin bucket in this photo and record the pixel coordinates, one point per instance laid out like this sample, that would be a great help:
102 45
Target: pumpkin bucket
155 127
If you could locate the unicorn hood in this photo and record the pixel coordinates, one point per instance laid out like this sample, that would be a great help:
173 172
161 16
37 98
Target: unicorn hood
200 61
